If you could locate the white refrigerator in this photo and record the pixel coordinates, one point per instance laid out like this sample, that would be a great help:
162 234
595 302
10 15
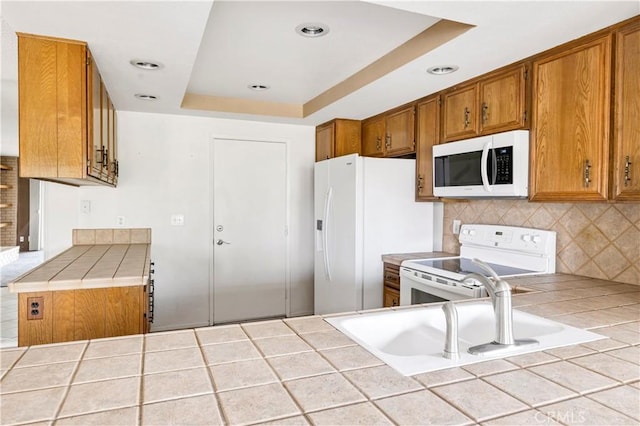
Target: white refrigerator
365 207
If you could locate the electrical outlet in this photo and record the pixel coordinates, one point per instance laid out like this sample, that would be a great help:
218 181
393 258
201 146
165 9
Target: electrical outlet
177 220
456 227
85 206
120 220
35 308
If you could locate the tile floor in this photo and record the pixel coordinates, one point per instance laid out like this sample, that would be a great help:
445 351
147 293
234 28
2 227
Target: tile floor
9 318
9 301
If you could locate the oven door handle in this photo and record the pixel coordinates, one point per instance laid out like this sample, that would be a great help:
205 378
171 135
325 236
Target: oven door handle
408 274
486 149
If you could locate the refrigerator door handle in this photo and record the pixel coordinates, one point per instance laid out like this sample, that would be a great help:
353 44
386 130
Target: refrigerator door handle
325 233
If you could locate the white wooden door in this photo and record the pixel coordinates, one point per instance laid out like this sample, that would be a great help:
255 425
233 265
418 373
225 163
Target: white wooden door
249 230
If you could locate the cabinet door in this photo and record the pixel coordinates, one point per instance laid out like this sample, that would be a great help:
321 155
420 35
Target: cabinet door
104 120
428 130
391 297
400 133
124 310
502 101
626 130
570 135
348 137
94 142
324 142
459 114
111 143
373 137
38 114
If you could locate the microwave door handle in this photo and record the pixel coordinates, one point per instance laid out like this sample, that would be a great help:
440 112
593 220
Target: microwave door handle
483 166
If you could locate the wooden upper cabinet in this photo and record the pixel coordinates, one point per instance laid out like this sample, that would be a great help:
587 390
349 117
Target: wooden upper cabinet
391 134
491 104
373 137
626 127
400 132
337 137
95 157
570 123
57 111
427 134
503 101
459 113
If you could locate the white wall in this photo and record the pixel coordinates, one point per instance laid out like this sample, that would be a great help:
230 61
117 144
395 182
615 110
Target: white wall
164 169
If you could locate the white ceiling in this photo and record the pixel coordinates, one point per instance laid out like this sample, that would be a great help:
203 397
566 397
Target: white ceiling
217 48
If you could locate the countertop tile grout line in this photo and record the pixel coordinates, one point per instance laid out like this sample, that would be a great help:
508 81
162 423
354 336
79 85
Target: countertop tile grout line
70 383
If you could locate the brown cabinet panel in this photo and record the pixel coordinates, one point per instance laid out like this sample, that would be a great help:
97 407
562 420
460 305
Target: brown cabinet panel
427 133
373 137
391 297
570 132
400 132
63 311
90 313
391 286
124 311
72 109
626 127
338 137
459 111
35 331
38 114
502 101
59 98
324 142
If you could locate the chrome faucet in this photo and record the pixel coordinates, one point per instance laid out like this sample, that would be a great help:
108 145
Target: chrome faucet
500 294
451 339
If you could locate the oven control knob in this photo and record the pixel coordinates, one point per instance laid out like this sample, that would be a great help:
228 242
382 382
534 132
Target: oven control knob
526 237
465 231
536 239
472 232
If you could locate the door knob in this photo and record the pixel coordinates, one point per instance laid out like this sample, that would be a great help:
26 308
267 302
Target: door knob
221 242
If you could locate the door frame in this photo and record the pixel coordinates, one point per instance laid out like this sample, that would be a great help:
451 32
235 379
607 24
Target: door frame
210 227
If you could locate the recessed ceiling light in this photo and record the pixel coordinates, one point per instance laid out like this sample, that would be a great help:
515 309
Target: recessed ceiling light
145 65
442 69
312 29
258 87
144 97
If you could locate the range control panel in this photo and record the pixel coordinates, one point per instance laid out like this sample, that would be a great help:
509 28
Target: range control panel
529 240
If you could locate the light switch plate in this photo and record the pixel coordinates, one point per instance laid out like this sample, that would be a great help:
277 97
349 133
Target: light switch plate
456 227
85 206
177 220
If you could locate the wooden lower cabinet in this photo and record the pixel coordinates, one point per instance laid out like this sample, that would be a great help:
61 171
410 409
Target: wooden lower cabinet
63 316
391 292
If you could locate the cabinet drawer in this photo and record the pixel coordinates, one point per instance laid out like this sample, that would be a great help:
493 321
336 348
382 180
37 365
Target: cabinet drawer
392 277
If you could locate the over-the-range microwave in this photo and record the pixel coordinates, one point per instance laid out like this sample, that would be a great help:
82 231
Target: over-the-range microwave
486 166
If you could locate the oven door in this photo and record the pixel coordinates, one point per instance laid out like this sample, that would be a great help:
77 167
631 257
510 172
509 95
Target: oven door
415 289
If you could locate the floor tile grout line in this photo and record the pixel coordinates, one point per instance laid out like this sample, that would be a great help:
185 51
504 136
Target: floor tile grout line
609 406
70 383
223 415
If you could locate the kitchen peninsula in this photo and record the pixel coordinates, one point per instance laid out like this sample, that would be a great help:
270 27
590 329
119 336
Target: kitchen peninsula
299 371
97 288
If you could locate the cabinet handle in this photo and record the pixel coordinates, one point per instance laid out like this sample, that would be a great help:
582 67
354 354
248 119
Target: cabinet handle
117 168
587 173
420 180
378 143
627 170
390 278
466 117
105 158
387 141
394 301
485 113
152 291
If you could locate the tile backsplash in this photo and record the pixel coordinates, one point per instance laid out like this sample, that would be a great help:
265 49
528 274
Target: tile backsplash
594 240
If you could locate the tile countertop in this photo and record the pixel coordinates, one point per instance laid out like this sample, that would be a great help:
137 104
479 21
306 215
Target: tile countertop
398 258
300 371
88 266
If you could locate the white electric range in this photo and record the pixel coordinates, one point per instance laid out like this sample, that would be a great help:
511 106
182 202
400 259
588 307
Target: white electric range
510 251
